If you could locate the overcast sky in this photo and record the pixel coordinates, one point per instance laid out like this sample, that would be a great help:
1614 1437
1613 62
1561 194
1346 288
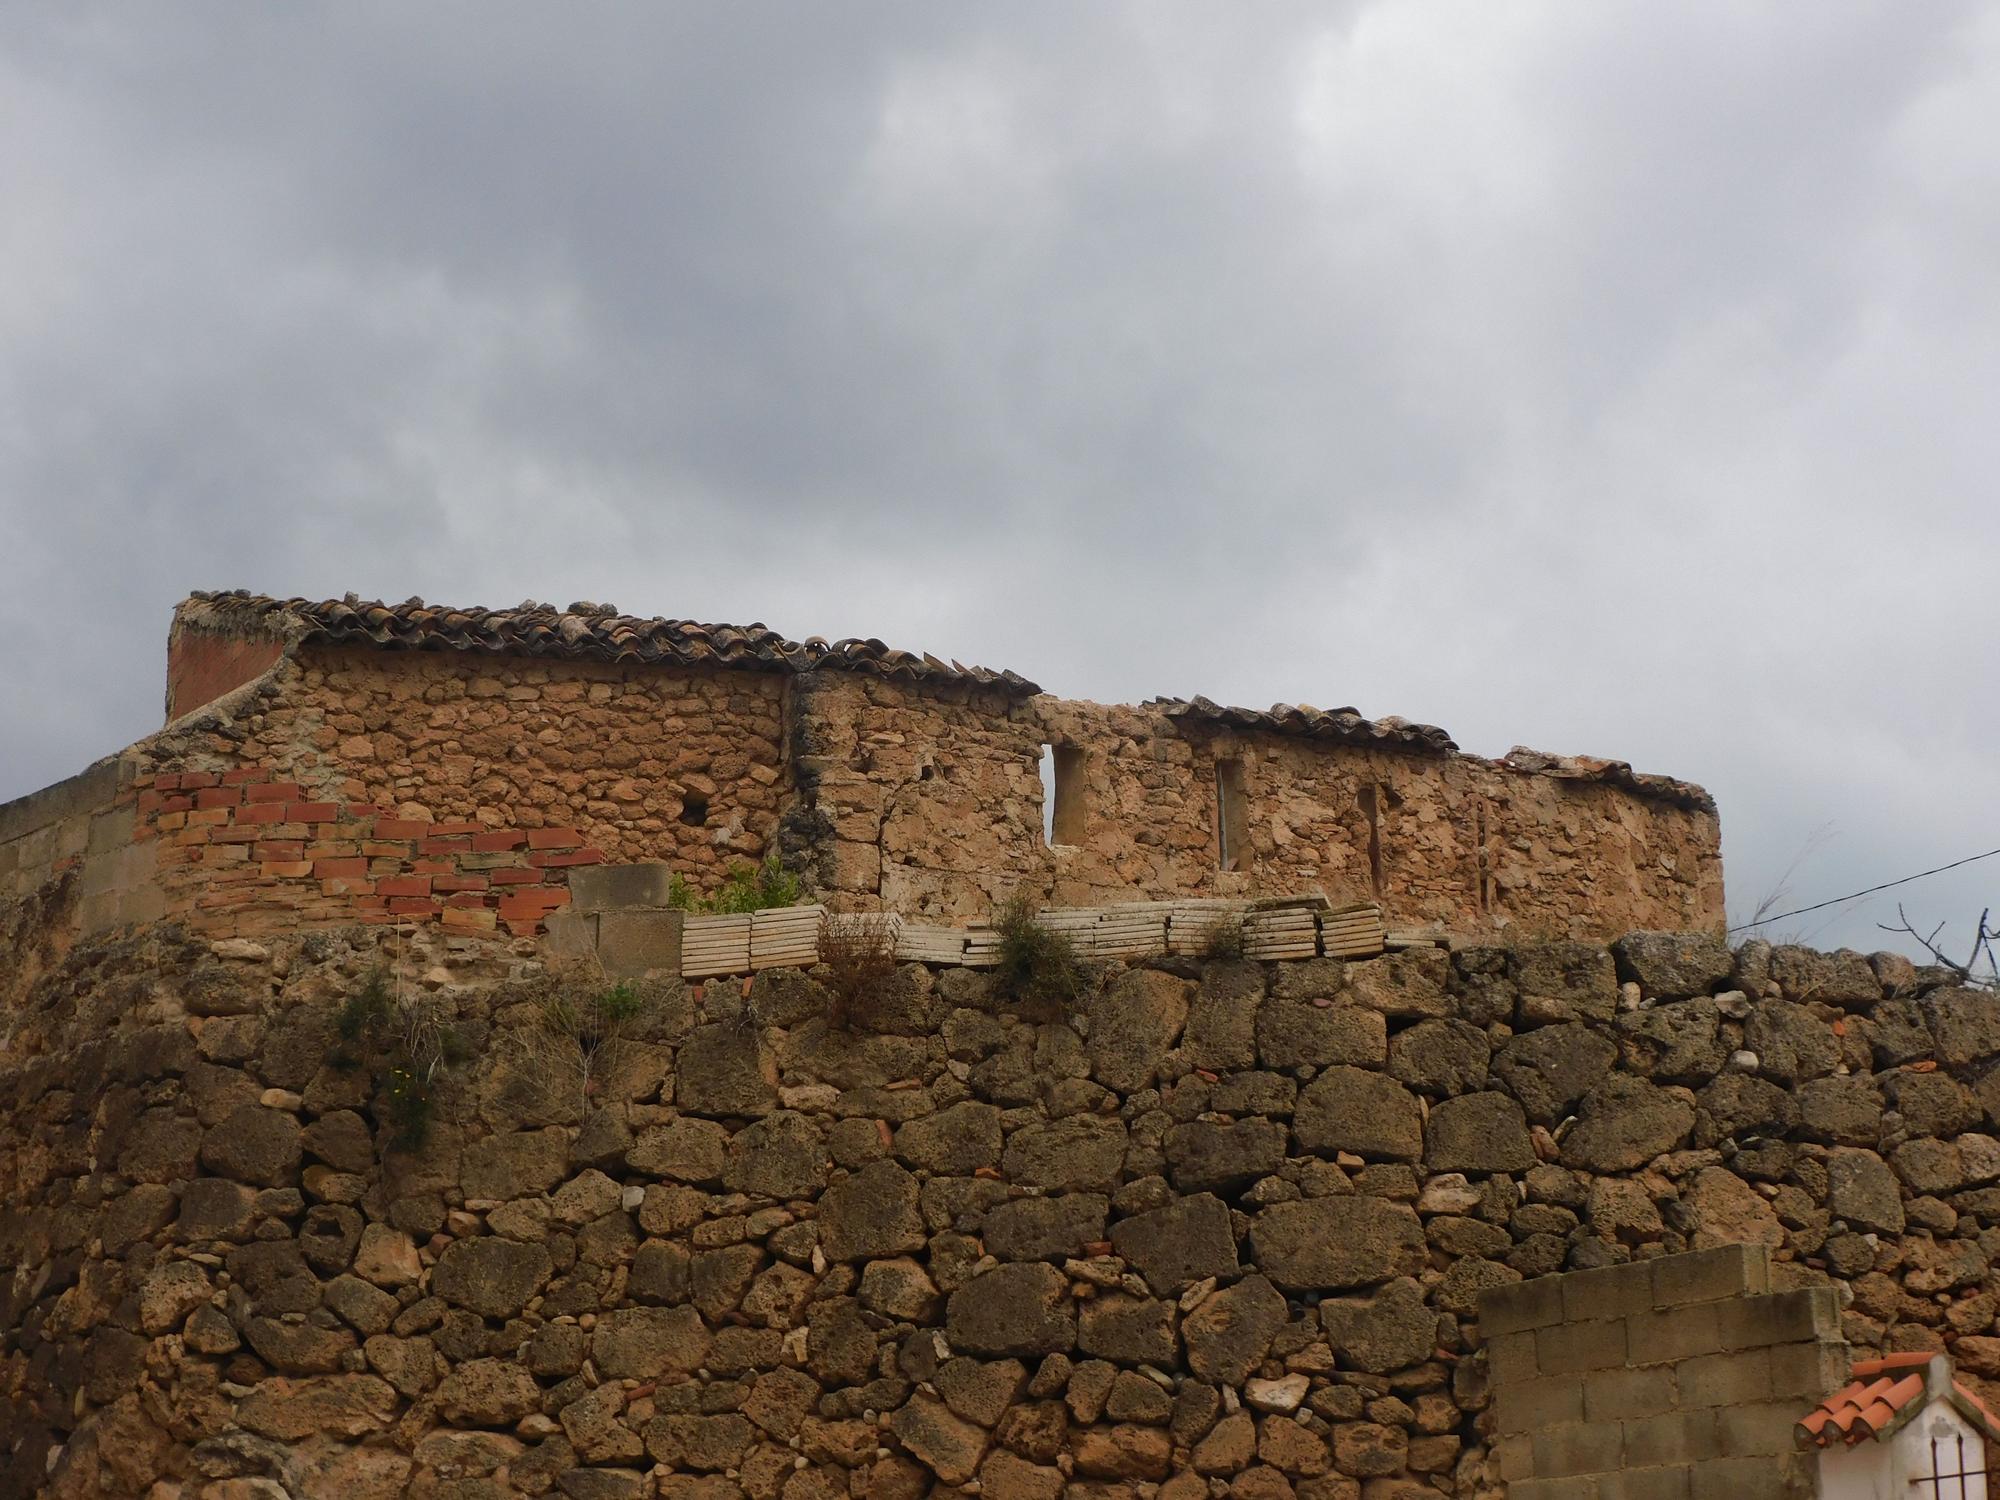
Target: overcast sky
1620 379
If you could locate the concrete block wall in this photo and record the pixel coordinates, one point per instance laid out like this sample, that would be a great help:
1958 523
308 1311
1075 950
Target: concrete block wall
1676 1378
81 828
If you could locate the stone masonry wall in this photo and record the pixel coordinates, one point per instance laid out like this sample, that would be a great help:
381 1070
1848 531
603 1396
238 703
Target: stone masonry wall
930 802
1222 1230
353 784
646 763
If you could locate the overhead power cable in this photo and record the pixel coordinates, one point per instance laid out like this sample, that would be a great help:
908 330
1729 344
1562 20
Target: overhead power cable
1886 885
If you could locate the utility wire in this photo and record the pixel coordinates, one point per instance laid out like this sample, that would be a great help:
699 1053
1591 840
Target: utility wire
1885 886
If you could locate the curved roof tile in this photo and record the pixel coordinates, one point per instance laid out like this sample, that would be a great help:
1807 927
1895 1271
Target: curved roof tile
1878 1393
584 631
1343 724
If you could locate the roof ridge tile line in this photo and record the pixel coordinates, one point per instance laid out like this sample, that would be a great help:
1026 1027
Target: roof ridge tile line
595 633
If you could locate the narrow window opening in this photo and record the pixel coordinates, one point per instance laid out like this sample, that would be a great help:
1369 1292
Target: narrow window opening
1062 794
1369 804
1482 869
694 810
1232 817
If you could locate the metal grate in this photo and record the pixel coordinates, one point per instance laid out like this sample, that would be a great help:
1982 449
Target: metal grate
1937 1479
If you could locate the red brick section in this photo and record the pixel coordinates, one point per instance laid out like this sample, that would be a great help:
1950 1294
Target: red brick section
242 852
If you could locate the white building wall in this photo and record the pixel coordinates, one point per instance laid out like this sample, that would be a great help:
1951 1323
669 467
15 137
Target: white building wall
1885 1471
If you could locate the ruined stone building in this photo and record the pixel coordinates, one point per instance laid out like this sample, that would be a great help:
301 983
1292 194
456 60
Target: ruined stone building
534 740
372 1124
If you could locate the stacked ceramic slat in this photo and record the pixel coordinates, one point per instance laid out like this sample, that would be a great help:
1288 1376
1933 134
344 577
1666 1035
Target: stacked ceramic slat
1293 928
1138 930
712 945
1415 937
917 943
875 926
785 937
1192 926
1353 931
1077 923
1280 932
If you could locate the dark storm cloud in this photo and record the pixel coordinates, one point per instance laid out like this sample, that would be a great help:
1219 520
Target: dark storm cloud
1616 380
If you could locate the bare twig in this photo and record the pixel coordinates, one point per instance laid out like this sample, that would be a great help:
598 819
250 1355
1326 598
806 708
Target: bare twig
1982 944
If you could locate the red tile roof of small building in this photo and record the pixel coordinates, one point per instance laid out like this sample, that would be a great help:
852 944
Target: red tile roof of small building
1879 1394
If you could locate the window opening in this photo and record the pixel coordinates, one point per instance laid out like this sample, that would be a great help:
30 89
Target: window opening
1370 807
694 810
1232 817
1062 794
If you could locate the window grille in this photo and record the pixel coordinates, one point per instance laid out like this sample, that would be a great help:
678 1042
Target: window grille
1942 1485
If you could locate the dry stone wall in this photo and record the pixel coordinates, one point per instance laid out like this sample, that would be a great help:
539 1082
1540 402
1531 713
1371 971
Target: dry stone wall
1222 1230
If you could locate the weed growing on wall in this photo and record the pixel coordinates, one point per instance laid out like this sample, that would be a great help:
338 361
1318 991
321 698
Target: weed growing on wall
859 958
584 1030
1224 941
409 1043
1040 970
746 888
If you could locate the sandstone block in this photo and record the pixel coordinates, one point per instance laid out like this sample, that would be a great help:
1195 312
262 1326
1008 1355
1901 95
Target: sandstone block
1440 1057
1388 1331
1333 1244
1207 1156
255 1145
957 1140
726 1070
1673 965
782 1155
1081 1153
871 1215
488 1393
514 1164
1551 1068
1624 1123
1293 1033
492 1277
1049 1228
1021 1309
980 1390
1129 1330
649 1343
1863 1191
1134 1022
1477 1133
1411 984
1176 1246
949 1446
1352 1109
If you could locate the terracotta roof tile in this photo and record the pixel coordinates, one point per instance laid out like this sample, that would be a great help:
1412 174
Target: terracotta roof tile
1612 772
1878 1392
1343 724
596 632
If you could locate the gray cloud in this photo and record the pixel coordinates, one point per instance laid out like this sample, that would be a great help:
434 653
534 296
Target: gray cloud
1615 380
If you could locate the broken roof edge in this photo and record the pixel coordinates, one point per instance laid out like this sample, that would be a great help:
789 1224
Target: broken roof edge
1348 726
599 632
583 632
